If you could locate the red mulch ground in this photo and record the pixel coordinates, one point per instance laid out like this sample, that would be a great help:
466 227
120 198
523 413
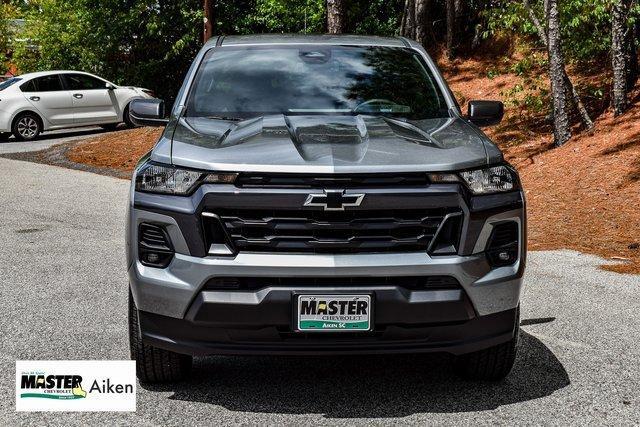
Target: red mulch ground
118 150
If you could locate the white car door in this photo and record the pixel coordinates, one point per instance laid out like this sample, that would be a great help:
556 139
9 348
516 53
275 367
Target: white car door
50 99
93 103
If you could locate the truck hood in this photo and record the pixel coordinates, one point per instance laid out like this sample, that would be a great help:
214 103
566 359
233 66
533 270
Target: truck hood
328 144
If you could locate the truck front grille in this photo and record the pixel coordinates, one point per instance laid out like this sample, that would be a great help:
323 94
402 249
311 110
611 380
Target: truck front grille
331 232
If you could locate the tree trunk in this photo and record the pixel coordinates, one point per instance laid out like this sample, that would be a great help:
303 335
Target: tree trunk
618 56
460 13
451 24
569 87
475 19
421 13
408 25
632 56
208 20
336 19
561 129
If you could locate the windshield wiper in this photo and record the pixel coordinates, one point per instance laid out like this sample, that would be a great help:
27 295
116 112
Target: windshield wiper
233 119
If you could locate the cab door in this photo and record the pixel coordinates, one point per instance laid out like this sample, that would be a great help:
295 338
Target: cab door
48 96
93 103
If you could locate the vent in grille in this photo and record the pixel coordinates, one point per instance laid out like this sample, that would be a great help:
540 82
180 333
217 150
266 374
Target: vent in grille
332 232
332 181
502 249
154 246
153 237
408 282
503 235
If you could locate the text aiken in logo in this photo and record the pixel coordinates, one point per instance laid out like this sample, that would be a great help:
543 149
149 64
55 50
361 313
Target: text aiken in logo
82 385
334 200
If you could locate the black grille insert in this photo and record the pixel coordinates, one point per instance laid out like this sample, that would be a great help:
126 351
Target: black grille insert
332 232
502 249
154 246
504 234
413 283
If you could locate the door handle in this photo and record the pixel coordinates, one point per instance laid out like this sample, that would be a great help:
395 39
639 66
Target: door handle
34 98
77 95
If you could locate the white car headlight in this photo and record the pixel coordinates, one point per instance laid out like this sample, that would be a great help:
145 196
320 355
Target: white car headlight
497 179
156 178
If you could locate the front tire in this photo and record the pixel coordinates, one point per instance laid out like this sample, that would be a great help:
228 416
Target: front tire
125 117
26 127
154 365
490 364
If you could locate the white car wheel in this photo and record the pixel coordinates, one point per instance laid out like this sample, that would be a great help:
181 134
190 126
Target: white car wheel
26 128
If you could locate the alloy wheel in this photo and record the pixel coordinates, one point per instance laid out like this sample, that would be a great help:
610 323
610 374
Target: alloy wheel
27 127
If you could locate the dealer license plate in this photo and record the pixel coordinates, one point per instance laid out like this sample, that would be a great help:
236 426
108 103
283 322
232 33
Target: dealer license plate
332 313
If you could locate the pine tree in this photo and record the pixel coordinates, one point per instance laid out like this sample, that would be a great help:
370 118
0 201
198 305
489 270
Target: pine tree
561 129
336 19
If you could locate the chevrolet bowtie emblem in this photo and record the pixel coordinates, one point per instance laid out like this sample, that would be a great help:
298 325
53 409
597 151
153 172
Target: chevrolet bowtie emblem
334 200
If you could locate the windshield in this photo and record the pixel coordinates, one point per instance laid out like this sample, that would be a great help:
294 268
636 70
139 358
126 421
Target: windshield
5 84
236 83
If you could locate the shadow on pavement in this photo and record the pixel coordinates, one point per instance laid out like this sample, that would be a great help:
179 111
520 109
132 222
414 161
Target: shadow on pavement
371 387
60 135
537 321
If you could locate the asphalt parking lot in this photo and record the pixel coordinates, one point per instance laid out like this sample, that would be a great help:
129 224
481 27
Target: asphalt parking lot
64 291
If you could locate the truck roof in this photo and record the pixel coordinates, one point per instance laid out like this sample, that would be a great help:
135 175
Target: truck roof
329 39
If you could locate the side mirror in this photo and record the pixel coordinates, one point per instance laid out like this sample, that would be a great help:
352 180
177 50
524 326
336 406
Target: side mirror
147 112
485 113
109 86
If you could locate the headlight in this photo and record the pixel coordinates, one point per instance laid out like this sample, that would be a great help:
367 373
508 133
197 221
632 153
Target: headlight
497 179
155 178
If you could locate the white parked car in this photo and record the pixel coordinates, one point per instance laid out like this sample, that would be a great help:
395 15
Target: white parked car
36 102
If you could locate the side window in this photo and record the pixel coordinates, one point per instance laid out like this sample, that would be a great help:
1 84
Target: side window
83 82
29 86
48 83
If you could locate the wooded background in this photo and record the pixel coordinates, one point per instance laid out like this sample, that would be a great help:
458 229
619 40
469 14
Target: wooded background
151 43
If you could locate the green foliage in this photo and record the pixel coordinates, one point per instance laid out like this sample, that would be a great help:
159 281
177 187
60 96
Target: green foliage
135 42
285 16
529 95
507 16
585 24
7 11
380 17
492 73
151 43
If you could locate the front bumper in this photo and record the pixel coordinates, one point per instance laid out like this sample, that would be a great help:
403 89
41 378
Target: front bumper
188 337
177 312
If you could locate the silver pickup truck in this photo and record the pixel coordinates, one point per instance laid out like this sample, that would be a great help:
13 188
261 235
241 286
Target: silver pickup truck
322 195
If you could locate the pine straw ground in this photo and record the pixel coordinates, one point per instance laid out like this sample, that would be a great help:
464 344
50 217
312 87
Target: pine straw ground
583 196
